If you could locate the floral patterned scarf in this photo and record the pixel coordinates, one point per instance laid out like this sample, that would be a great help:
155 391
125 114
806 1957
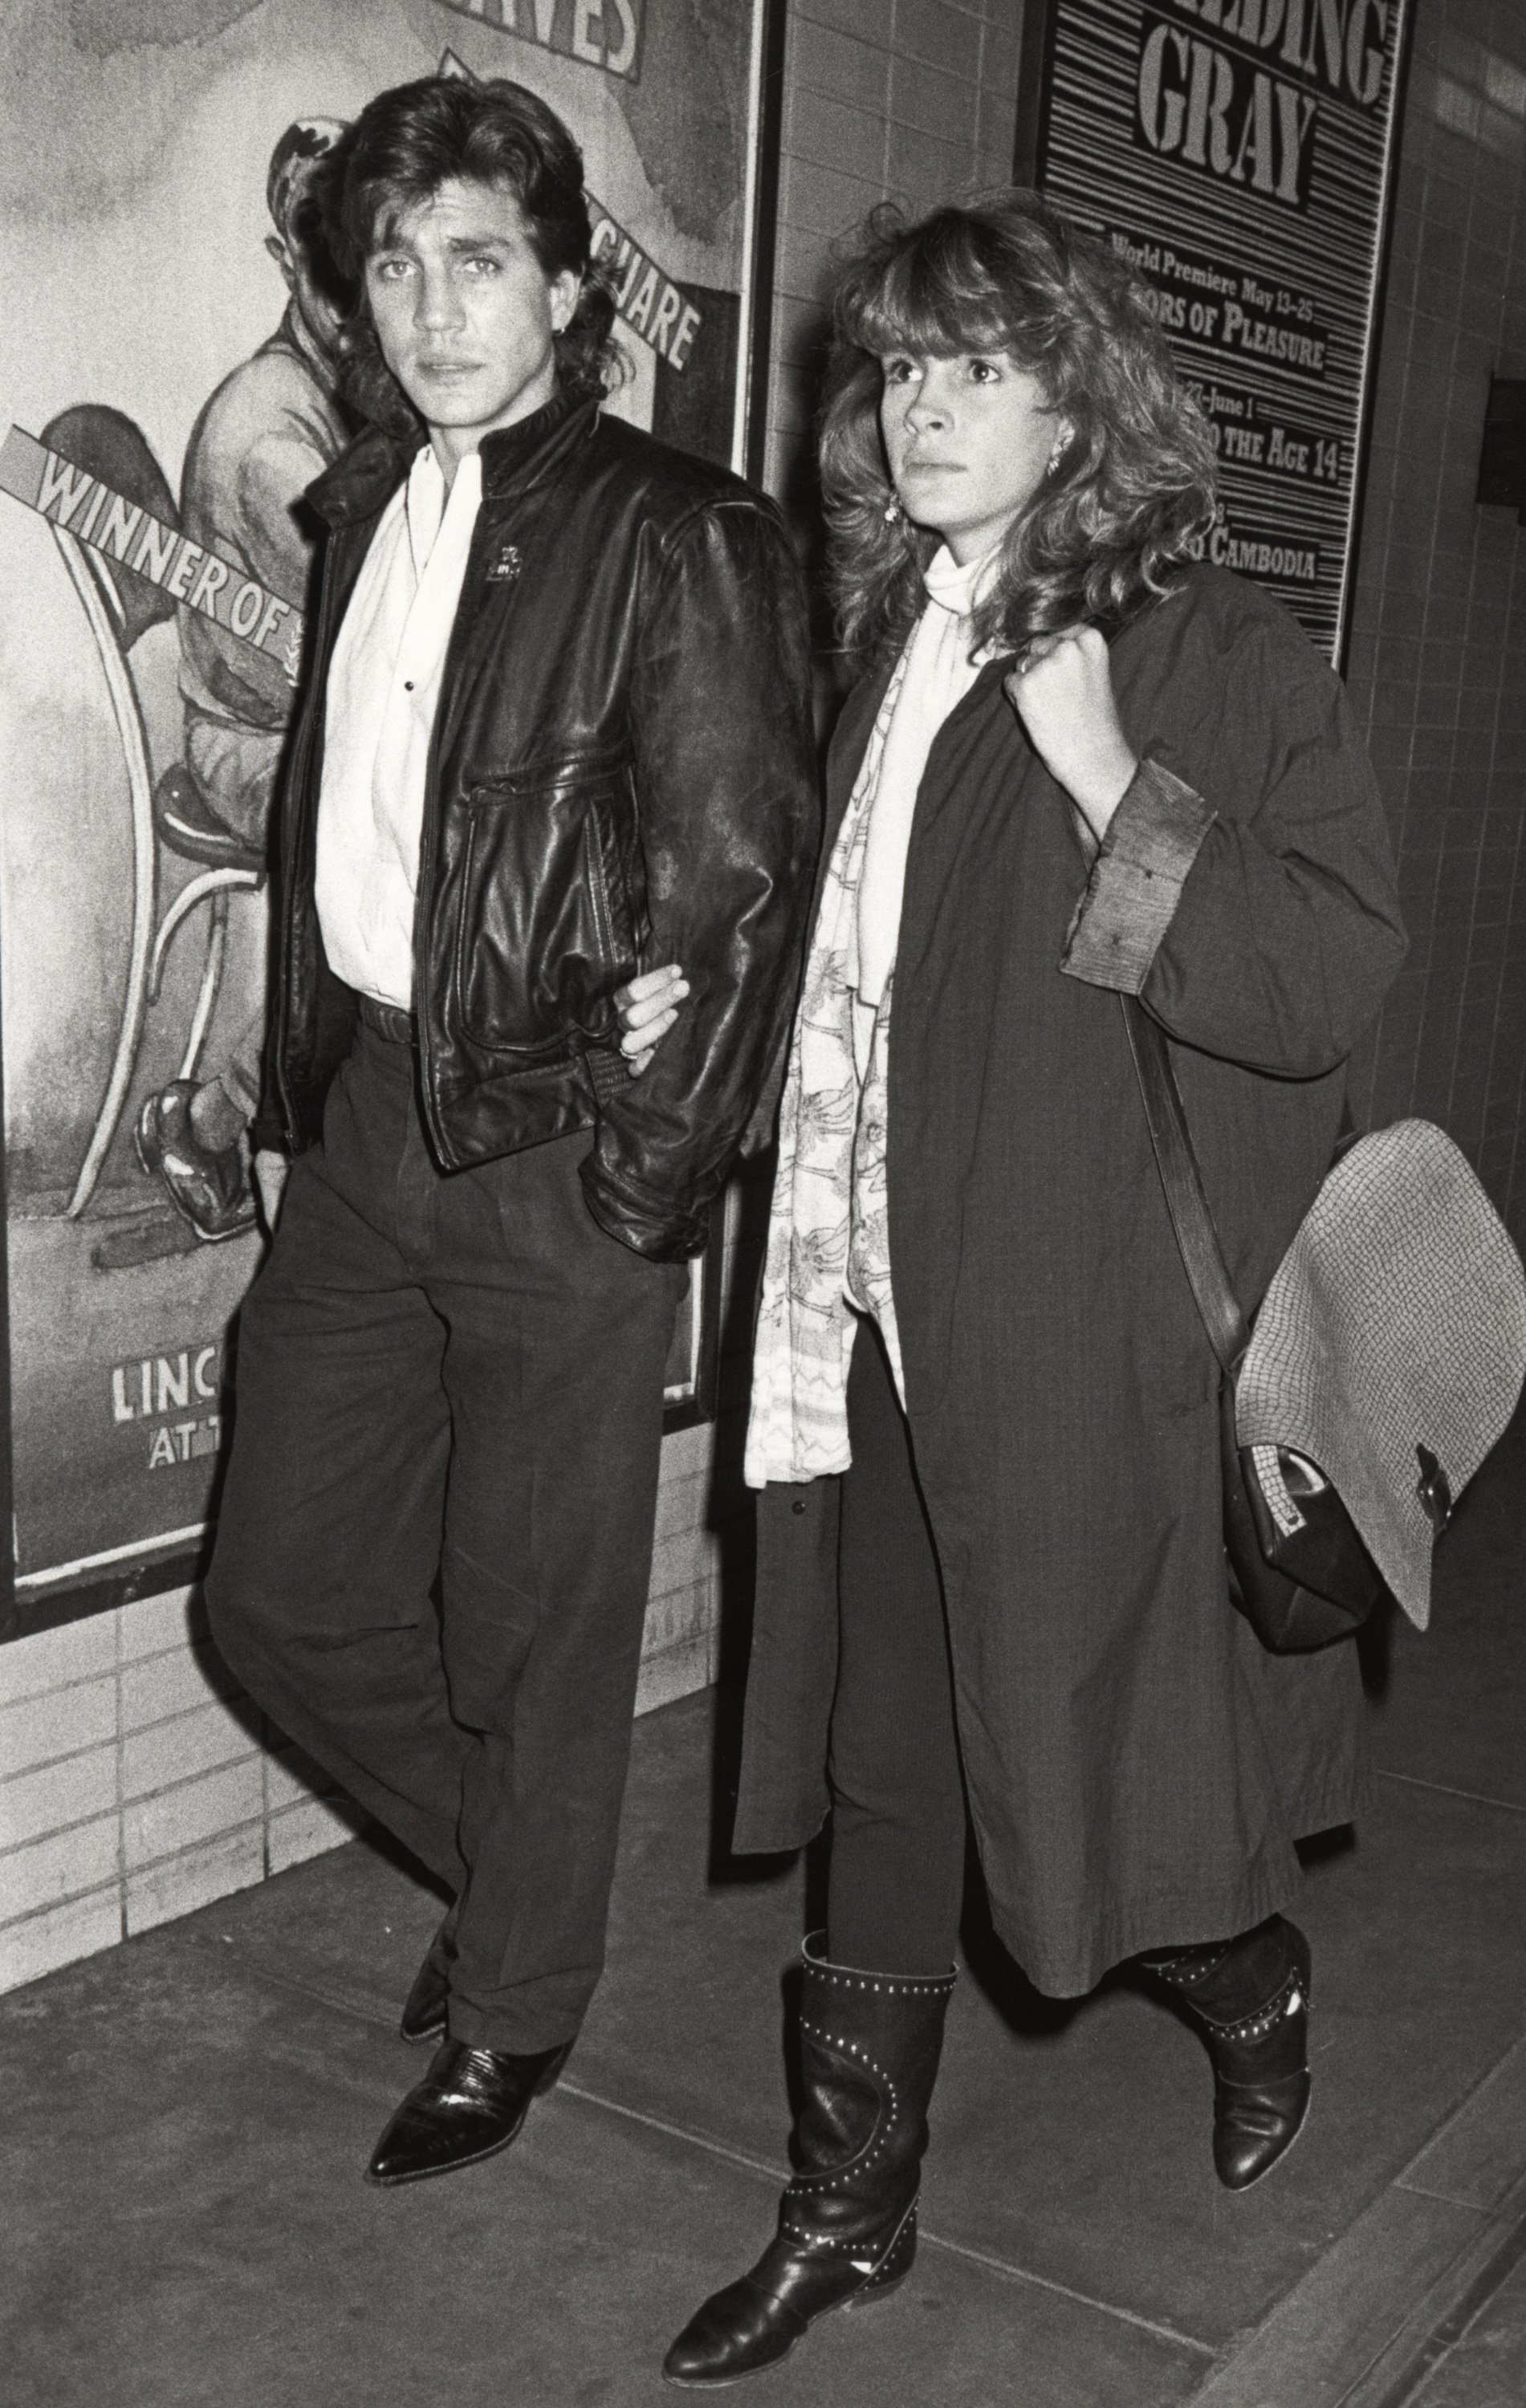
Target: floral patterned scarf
828 1249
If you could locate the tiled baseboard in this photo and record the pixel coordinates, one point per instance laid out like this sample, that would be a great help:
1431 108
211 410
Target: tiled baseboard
137 1783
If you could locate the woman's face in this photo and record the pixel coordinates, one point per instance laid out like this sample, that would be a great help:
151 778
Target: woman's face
968 440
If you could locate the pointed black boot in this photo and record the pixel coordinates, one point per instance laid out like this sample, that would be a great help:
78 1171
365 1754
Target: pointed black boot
1251 1999
869 2044
471 2103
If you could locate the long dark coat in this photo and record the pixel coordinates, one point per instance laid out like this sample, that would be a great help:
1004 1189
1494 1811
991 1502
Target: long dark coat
1138 1766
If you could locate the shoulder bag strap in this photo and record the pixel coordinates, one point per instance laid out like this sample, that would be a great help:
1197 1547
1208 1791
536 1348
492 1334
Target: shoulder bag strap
1202 1254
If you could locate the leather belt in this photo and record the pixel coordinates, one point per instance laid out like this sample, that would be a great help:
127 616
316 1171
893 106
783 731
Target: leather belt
390 1021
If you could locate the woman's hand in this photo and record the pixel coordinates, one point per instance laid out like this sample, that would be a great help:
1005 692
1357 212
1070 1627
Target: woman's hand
1062 692
648 1007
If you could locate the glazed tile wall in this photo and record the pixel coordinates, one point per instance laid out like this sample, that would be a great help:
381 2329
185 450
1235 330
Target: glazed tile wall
1437 670
133 1784
903 99
137 1783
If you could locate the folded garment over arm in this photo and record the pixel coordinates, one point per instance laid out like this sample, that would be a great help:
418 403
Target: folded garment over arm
1136 880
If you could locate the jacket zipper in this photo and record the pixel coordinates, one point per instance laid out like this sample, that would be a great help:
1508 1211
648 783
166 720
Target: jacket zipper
599 889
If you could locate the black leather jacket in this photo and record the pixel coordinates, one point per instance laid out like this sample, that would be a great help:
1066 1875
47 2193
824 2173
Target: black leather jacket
623 774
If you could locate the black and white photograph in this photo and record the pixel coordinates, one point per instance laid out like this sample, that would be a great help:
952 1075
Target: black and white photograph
762 1189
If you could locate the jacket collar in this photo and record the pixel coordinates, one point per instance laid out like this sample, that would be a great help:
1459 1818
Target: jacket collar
514 459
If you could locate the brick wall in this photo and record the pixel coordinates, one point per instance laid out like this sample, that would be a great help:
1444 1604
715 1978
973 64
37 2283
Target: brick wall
1437 670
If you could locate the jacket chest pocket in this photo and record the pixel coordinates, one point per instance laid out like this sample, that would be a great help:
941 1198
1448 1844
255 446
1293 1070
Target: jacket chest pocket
547 925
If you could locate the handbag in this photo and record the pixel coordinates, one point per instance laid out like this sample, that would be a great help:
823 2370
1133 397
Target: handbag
1387 1358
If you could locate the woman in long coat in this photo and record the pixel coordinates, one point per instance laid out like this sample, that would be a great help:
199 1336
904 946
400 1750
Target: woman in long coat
1079 767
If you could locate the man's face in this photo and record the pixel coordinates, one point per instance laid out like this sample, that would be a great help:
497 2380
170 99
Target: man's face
466 313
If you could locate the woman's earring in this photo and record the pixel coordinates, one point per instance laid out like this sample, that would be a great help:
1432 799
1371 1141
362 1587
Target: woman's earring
892 508
1058 450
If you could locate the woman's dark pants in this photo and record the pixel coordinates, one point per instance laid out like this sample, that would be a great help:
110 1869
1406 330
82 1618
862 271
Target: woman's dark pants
895 1881
457 1377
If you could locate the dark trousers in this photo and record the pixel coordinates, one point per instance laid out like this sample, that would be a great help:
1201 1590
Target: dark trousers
454 1379
896 1872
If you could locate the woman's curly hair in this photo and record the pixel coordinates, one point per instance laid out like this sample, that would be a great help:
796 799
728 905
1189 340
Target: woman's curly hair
400 149
1127 499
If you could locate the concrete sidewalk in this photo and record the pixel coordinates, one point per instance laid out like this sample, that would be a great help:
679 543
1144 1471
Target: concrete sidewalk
189 2114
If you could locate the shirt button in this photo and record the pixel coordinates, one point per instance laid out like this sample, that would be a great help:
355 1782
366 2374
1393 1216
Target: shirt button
407 685
799 1506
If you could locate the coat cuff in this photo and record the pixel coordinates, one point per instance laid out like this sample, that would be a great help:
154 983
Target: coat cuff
1136 882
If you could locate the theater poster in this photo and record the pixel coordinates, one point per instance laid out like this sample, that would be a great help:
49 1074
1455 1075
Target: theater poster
167 394
1239 155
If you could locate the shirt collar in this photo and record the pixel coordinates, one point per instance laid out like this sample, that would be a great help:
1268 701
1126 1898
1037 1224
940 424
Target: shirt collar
514 458
958 589
429 505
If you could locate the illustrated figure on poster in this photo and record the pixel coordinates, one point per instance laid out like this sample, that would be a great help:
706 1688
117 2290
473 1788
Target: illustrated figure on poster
271 426
560 679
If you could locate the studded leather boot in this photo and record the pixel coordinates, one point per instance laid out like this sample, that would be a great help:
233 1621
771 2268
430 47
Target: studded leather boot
869 2044
1251 1997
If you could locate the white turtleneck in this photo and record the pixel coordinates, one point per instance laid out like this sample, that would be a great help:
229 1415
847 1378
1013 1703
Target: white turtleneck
939 673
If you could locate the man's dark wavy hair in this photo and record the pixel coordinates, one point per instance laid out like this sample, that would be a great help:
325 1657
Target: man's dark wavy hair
406 144
1123 505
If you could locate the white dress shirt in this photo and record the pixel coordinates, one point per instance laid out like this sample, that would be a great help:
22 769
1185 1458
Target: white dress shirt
383 689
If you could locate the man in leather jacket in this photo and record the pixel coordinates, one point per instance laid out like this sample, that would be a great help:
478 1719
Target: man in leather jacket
556 732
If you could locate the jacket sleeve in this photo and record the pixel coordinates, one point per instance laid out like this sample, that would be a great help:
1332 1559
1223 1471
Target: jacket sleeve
1246 889
729 816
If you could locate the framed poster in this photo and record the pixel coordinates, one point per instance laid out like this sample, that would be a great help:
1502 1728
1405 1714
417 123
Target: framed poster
168 392
1240 153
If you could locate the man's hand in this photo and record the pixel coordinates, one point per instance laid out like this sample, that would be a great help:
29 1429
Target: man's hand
648 1007
270 1169
1062 692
